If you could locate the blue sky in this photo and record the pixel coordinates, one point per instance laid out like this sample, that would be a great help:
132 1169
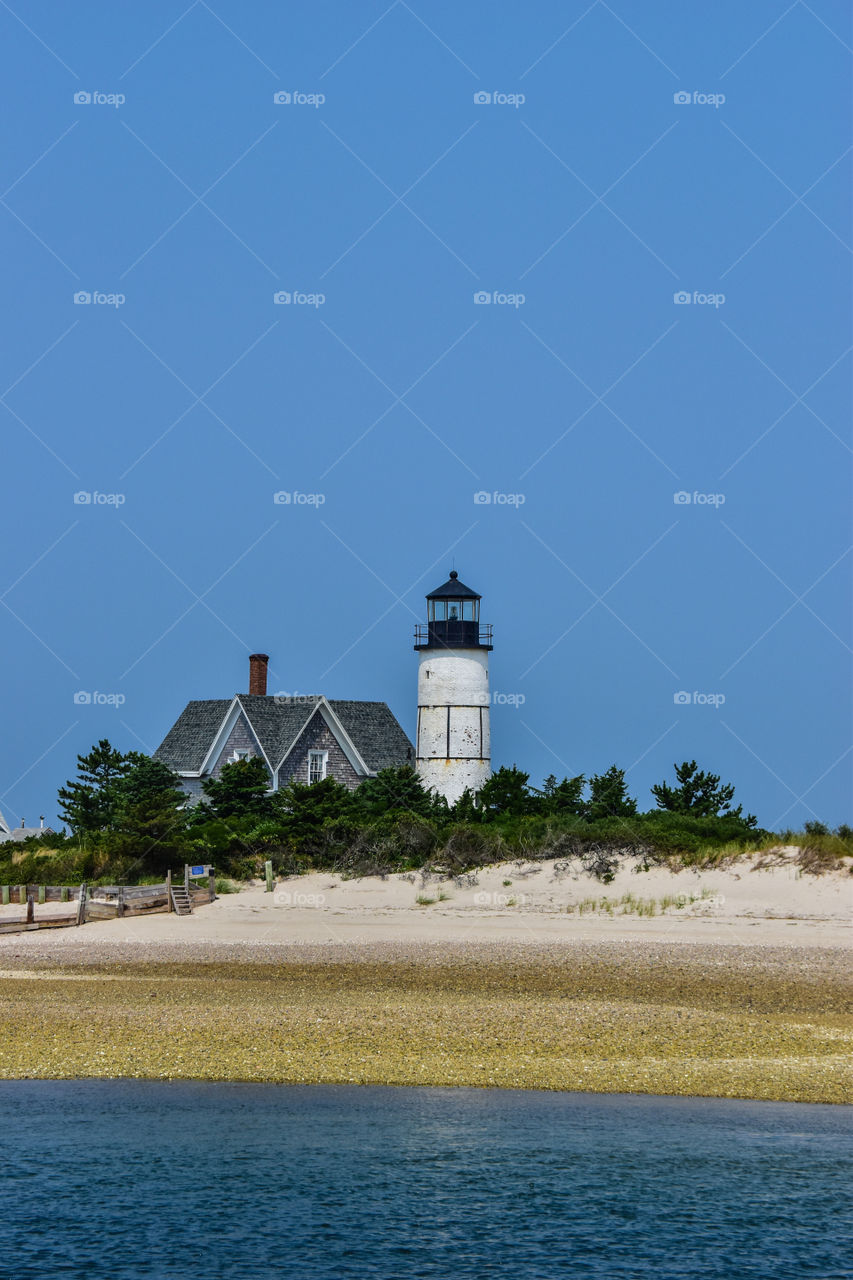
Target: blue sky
381 197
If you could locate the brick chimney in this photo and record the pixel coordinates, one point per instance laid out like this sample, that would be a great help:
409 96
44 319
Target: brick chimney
258 673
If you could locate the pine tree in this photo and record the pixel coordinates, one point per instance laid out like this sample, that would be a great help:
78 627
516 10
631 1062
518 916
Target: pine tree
303 807
394 788
698 793
608 796
88 805
466 809
564 797
240 790
149 818
506 794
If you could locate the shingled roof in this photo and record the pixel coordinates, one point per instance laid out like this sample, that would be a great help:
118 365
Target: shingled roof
190 737
376 733
277 722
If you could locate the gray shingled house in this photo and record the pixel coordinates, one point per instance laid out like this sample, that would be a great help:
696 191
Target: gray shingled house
303 738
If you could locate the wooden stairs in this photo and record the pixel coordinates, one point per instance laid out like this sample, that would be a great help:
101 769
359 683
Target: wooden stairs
181 901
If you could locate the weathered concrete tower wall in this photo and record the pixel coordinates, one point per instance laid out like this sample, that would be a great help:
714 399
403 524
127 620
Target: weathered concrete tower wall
453 748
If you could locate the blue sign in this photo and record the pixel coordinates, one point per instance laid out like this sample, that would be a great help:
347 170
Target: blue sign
198 871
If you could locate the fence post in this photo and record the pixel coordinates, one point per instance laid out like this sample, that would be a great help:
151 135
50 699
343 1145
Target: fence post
211 885
42 893
5 893
268 875
63 893
120 901
186 877
81 905
22 893
169 889
31 909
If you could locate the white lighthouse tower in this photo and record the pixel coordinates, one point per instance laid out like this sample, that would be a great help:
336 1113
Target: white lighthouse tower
453 750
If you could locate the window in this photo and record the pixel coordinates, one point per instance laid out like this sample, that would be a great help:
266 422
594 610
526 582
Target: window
317 761
240 755
453 610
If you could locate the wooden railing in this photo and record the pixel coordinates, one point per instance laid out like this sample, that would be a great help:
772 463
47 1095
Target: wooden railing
95 902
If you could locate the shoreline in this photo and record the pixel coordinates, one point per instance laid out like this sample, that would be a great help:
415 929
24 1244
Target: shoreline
178 1081
741 987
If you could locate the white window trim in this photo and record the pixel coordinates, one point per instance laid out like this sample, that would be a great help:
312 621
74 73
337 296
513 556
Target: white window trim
324 761
240 753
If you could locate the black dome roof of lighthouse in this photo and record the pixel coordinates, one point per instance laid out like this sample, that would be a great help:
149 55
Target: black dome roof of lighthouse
453 589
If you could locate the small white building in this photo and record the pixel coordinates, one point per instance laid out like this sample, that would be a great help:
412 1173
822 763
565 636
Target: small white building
453 746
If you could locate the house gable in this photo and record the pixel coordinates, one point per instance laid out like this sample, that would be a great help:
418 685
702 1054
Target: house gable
235 733
240 738
318 735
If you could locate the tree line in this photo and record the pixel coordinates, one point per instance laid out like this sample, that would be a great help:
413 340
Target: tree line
130 818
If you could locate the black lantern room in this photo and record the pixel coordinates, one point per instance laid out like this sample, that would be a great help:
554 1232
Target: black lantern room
453 619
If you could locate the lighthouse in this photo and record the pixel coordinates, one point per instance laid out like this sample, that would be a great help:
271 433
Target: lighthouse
453 751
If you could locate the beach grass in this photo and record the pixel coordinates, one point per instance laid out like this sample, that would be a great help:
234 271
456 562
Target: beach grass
687 1019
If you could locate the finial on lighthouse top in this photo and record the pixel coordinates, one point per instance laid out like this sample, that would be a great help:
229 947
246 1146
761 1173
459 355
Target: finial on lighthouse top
453 589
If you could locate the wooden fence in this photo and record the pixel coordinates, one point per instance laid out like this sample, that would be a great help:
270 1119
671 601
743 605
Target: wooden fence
97 902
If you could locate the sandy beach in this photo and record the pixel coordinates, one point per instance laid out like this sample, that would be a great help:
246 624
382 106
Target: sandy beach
727 982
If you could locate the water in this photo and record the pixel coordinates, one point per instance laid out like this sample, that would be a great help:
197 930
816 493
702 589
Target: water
114 1180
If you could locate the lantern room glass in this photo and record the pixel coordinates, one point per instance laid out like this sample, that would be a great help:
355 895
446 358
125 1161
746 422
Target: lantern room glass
453 610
